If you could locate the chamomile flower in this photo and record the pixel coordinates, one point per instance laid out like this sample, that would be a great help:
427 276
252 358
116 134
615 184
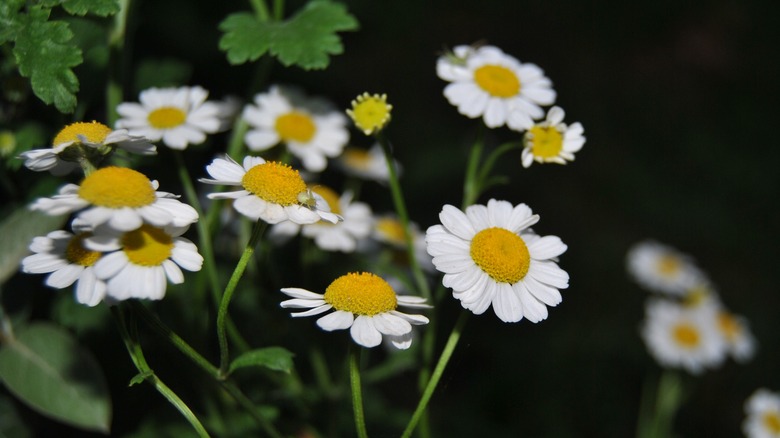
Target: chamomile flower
312 130
83 141
762 411
370 112
271 191
64 257
489 256
388 229
682 336
363 303
485 82
552 141
136 263
368 164
177 116
121 197
739 341
661 268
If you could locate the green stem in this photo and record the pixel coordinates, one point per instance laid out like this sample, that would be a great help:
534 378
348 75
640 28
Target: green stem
357 395
490 161
118 61
224 357
656 420
449 347
471 187
261 10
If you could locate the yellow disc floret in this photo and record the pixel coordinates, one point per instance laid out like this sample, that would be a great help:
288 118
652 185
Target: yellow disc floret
77 254
92 132
497 80
391 230
166 117
729 326
546 141
361 294
370 112
295 126
274 182
668 265
686 335
147 246
356 158
501 254
330 196
117 187
772 422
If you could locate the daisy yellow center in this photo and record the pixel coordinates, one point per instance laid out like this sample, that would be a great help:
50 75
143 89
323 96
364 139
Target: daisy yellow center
497 80
370 112
547 141
361 294
77 254
147 246
93 132
392 230
117 187
166 117
668 265
772 422
295 126
330 196
502 254
274 182
728 325
686 335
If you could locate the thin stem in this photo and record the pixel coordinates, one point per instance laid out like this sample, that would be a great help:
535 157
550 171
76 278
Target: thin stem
471 187
261 10
357 394
449 347
490 161
656 420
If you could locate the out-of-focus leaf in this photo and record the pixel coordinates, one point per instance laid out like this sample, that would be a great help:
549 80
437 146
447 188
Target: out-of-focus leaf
29 135
77 317
90 36
103 8
162 73
10 20
49 371
274 358
11 425
18 230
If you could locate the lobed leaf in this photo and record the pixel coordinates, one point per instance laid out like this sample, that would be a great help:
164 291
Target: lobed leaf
10 19
273 358
102 8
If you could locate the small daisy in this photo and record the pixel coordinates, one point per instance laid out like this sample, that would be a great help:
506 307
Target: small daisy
389 229
64 257
120 197
179 116
368 164
489 256
363 303
681 336
661 268
342 236
271 191
311 128
83 140
487 83
763 415
740 343
137 262
552 141
370 112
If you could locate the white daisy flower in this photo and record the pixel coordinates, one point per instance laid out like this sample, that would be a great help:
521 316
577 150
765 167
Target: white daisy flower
552 141
487 83
368 164
83 140
763 415
682 336
179 116
388 229
342 236
120 197
363 303
740 343
64 257
137 262
489 256
661 268
271 191
311 128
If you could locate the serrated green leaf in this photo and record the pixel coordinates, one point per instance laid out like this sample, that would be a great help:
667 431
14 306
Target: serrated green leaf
45 54
307 39
102 8
49 371
18 230
10 19
273 358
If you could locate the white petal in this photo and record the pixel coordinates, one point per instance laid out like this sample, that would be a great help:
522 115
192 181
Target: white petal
506 304
389 324
301 293
173 272
337 320
64 276
110 265
364 332
90 290
456 222
314 311
546 247
301 303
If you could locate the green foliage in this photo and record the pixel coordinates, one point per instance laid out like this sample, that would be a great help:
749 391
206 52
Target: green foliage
306 39
28 136
102 8
9 22
273 358
18 230
47 369
11 425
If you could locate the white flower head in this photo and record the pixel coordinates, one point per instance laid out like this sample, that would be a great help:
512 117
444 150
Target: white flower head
121 197
485 82
552 141
177 116
311 128
661 268
365 304
368 164
762 411
489 256
271 191
83 140
739 341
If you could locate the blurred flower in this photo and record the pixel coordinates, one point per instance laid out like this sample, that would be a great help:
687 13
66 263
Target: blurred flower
552 141
370 112
364 303
739 341
311 128
367 164
763 415
661 268
489 256
487 83
271 191
389 229
121 197
179 116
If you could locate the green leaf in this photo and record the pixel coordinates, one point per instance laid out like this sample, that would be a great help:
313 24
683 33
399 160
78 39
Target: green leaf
139 378
29 135
18 230
102 8
10 20
306 39
45 368
45 54
274 358
11 424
